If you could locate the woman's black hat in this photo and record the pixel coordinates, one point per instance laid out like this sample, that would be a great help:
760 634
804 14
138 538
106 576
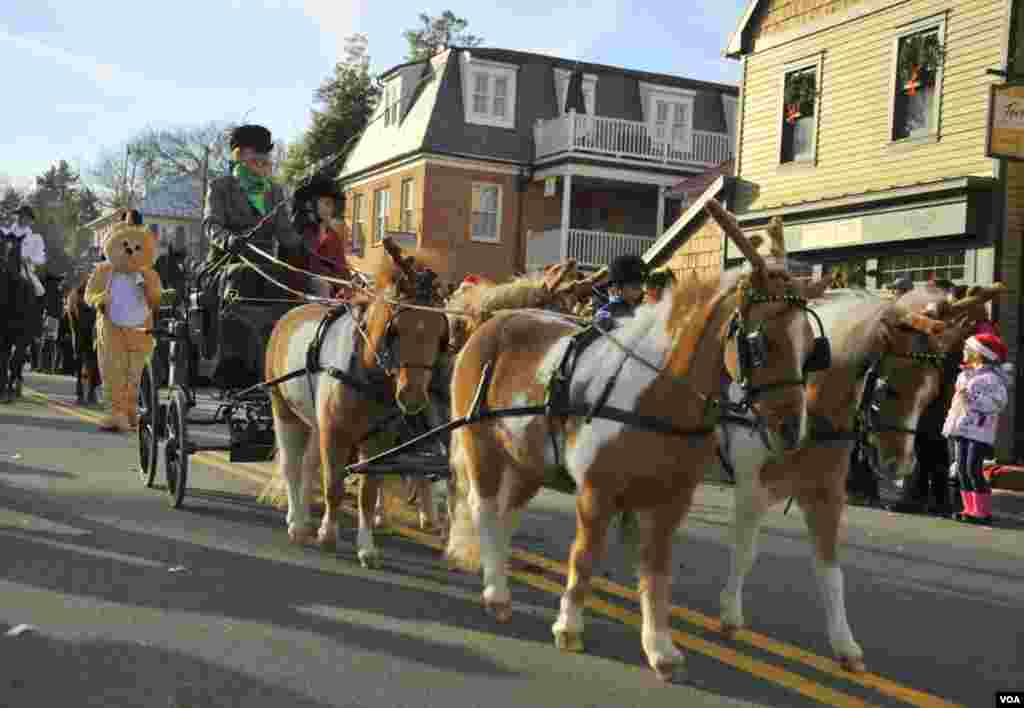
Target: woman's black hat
251 136
319 186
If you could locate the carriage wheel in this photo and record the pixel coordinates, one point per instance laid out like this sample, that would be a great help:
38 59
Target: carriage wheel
176 450
149 427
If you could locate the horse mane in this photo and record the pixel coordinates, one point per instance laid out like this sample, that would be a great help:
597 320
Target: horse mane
387 275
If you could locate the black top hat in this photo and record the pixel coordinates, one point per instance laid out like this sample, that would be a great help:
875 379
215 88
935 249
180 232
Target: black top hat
25 210
251 136
627 270
319 186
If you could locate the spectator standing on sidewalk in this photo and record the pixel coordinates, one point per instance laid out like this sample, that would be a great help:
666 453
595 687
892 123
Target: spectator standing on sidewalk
982 392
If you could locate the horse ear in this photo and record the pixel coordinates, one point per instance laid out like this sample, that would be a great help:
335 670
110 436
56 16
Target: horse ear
727 222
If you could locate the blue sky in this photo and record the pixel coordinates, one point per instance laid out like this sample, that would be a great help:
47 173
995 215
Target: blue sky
81 76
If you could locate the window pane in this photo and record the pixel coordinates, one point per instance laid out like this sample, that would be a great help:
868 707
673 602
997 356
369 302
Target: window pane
500 86
480 85
662 112
679 117
499 106
479 103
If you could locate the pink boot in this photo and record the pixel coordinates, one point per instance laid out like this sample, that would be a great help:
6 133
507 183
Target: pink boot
983 507
967 498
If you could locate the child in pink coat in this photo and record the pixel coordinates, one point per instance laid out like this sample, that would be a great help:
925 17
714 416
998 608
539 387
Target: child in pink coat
982 391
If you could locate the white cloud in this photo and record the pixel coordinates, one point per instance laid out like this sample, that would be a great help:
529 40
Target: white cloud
336 20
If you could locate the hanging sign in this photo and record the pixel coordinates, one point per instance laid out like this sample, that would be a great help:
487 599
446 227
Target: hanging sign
1006 122
550 183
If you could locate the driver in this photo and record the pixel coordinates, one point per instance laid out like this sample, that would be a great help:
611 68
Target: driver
235 203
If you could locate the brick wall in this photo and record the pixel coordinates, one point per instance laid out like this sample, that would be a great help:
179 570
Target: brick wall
540 212
393 183
447 221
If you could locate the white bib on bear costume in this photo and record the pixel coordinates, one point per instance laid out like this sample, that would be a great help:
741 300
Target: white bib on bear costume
128 306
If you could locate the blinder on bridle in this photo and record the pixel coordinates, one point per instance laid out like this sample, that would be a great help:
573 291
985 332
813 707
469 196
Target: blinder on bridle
423 294
878 389
752 349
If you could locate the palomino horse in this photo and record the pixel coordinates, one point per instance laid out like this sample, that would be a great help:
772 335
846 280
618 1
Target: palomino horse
320 418
657 375
882 350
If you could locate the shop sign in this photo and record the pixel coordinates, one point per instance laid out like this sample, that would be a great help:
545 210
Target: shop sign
1005 122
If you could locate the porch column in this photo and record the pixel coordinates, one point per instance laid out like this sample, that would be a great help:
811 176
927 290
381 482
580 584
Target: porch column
563 245
661 211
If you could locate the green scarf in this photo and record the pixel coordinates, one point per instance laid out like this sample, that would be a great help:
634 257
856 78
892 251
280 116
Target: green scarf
256 188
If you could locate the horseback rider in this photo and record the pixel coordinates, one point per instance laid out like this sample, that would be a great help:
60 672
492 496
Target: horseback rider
626 278
316 207
33 248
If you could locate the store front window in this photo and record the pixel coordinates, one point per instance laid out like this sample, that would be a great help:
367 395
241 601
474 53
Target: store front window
923 267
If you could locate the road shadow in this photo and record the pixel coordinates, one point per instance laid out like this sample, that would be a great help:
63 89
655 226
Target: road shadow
13 468
105 673
72 425
233 585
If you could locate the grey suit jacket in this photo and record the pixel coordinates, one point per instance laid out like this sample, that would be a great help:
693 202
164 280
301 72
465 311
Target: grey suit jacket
228 211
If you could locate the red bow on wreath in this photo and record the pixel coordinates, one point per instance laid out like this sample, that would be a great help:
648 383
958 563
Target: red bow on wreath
792 113
914 81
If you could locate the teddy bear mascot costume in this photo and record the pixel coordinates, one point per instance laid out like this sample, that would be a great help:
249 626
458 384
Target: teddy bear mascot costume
125 291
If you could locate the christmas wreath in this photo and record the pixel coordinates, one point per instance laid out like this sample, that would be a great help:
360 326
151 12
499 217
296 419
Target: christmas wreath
919 60
801 90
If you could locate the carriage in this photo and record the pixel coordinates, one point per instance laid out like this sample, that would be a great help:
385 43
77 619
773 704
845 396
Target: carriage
212 333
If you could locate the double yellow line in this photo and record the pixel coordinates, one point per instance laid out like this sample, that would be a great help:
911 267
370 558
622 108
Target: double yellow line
770 672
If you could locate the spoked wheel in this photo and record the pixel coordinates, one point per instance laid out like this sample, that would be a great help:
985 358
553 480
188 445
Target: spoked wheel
149 427
176 450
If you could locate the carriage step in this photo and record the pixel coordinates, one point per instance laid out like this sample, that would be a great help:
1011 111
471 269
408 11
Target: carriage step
430 466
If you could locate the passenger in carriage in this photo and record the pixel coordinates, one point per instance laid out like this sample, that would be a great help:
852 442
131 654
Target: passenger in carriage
316 208
626 278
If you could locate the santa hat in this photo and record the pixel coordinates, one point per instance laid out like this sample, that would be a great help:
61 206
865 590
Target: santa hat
471 280
989 346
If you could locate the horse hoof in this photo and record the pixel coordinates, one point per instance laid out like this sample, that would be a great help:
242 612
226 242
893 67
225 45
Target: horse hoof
569 641
327 542
370 560
670 672
301 536
853 664
500 611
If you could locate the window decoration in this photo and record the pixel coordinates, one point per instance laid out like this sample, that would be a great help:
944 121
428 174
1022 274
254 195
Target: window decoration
801 91
920 57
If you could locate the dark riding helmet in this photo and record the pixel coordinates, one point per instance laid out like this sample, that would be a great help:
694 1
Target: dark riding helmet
627 270
251 136
319 186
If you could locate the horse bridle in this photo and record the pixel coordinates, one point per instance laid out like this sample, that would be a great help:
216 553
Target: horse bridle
877 389
387 356
751 349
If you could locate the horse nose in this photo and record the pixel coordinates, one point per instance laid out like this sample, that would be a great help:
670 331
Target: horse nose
411 400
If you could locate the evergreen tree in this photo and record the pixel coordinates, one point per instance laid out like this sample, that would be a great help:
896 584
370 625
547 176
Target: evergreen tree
9 204
437 32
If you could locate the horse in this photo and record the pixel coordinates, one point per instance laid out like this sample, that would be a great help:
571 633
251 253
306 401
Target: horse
655 376
884 351
82 323
23 321
387 357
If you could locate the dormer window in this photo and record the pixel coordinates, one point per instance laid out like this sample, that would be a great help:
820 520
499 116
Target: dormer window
489 92
562 77
391 98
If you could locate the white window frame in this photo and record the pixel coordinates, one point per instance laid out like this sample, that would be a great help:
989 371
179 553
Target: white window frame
407 201
497 221
935 22
358 223
562 78
815 62
471 66
652 93
381 206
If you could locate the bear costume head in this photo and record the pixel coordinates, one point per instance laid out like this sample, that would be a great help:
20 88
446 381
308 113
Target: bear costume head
130 248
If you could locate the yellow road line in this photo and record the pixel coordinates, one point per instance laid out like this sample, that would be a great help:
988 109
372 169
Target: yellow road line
725 655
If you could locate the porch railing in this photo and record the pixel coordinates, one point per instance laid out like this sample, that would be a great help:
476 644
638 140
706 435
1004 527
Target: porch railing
575 132
592 249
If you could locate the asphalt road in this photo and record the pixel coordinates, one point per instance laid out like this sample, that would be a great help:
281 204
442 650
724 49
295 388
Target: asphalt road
133 603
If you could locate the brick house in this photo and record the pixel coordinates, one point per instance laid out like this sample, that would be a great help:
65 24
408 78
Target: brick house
474 154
